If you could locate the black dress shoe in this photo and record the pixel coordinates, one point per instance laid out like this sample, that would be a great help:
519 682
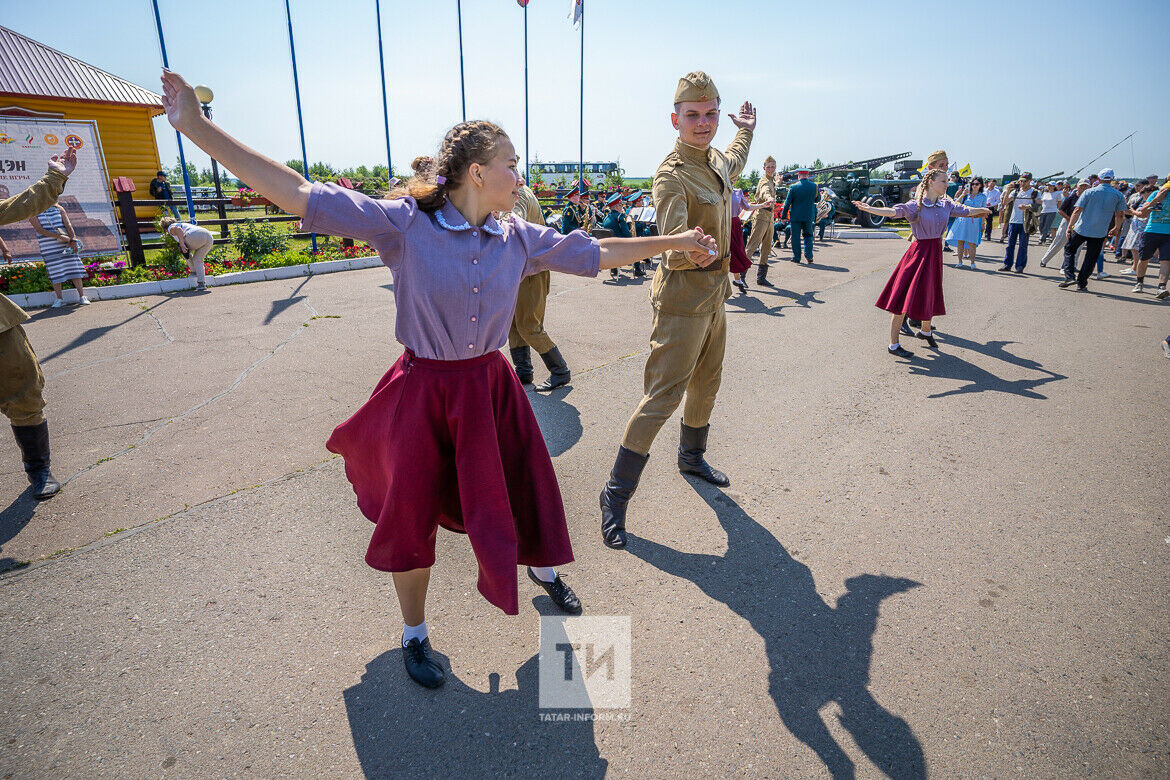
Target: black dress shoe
423 669
1067 283
1019 270
561 594
901 352
1006 268
906 331
928 338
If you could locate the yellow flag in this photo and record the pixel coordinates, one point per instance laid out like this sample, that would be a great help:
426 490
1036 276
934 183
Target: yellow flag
923 168
965 171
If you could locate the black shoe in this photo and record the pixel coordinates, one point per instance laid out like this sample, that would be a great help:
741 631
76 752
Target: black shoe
623 481
809 260
947 248
638 269
613 273
901 352
740 284
1067 283
34 450
1082 288
522 360
692 444
423 669
1019 270
906 331
762 277
558 371
928 337
1006 268
561 594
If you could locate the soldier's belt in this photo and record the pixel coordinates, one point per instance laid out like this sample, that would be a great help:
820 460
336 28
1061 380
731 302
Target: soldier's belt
716 265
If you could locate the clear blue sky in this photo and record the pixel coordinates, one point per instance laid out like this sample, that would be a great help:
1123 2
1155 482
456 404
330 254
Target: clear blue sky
1045 85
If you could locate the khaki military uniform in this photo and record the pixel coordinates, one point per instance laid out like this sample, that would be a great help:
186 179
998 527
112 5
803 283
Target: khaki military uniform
692 187
528 319
761 235
21 380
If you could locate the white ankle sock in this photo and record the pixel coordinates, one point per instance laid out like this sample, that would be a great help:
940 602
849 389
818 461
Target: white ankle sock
418 632
894 347
544 573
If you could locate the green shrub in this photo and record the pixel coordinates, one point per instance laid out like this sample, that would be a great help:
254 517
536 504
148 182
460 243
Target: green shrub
19 279
254 239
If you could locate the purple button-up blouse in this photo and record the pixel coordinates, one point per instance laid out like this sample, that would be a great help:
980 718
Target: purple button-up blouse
931 220
455 283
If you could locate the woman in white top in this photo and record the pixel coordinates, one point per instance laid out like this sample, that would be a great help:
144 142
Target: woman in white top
1049 202
194 242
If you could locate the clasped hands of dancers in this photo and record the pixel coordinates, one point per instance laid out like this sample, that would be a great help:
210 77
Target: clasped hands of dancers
448 436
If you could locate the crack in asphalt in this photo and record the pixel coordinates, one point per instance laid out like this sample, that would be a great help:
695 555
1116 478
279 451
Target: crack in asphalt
174 418
113 537
169 340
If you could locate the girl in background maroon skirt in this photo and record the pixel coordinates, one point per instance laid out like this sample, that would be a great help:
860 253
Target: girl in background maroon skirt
740 262
448 437
915 287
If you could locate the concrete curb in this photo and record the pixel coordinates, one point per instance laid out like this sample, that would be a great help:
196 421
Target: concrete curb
43 300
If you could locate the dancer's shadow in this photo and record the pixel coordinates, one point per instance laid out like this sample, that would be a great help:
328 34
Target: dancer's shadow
817 654
559 420
13 519
402 730
752 303
945 365
282 305
89 335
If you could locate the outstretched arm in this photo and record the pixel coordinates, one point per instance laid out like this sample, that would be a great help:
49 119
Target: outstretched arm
280 184
616 252
881 212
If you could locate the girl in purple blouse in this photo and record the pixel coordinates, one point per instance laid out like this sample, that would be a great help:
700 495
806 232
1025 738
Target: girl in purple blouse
448 437
915 287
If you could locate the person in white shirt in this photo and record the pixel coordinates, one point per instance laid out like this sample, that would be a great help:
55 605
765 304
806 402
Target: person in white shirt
1049 203
994 195
1025 199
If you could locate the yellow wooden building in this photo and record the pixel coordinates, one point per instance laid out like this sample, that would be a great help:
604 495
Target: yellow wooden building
40 82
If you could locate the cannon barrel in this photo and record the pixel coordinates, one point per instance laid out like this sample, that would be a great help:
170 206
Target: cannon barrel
871 163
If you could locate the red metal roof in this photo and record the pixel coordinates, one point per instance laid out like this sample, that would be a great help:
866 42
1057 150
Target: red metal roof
31 68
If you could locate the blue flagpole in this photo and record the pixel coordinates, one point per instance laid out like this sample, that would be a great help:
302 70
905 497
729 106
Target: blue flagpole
527 156
462 86
385 104
178 136
297 90
581 128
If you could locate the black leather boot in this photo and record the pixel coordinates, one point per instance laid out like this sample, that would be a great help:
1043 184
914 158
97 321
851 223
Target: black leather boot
558 370
623 481
762 276
522 360
34 450
692 445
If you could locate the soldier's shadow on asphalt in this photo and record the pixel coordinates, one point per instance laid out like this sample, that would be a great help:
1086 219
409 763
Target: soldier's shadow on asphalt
559 420
400 729
947 365
817 654
90 334
13 519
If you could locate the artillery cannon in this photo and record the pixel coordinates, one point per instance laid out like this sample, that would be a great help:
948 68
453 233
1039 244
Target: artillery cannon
852 181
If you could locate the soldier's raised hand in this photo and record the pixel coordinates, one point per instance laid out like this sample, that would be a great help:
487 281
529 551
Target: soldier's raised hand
64 163
746 118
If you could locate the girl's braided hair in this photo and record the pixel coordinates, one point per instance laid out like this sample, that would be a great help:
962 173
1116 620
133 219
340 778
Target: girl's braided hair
464 144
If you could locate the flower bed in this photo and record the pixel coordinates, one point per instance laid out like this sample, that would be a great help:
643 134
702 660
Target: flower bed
112 270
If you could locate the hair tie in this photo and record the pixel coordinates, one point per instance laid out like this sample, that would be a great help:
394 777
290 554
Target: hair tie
440 180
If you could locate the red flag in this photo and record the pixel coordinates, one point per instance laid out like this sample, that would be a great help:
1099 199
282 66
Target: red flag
522 3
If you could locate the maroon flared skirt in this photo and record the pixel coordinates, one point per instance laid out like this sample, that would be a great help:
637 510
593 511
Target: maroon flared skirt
915 287
455 443
739 259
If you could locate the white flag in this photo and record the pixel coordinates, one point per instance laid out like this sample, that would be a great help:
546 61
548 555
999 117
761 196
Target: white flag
575 12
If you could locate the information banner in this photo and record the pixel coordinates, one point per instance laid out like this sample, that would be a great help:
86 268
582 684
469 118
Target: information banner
25 148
